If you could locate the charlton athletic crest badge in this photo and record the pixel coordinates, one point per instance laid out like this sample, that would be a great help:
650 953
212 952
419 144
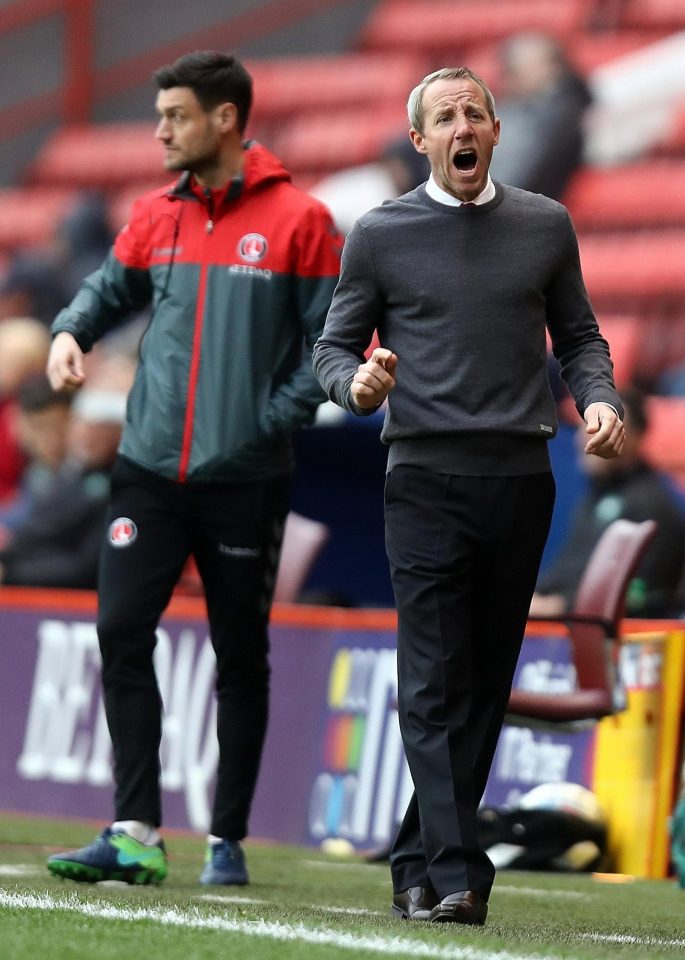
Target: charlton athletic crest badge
122 532
252 247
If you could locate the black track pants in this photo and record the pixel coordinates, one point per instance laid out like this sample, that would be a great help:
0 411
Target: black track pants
234 531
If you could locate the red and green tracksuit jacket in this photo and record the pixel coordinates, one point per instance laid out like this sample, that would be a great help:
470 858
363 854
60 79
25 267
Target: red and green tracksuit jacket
239 283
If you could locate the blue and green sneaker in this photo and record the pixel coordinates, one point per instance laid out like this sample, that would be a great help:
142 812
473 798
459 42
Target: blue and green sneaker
113 855
224 864
678 840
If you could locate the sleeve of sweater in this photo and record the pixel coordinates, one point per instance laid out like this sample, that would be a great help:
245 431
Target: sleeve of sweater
353 317
580 348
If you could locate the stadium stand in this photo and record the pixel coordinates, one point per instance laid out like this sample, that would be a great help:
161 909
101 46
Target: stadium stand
345 81
323 113
669 14
439 27
615 198
624 333
28 215
102 156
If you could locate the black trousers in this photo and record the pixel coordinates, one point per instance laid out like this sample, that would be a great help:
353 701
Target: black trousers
234 532
464 556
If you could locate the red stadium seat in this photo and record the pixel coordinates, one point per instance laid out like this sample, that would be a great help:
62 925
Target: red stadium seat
646 266
653 13
623 197
295 85
102 156
28 217
664 442
330 141
450 26
673 144
588 51
624 336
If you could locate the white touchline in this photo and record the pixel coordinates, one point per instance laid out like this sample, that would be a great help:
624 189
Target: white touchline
540 892
261 928
320 908
629 939
217 898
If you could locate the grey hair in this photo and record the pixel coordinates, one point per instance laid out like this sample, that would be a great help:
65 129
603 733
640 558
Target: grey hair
415 102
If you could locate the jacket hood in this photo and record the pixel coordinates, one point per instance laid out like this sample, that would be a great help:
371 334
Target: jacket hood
261 166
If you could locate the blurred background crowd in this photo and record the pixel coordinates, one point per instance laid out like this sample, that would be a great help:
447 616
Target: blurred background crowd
591 95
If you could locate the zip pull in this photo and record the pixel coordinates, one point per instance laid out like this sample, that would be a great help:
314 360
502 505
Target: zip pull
209 226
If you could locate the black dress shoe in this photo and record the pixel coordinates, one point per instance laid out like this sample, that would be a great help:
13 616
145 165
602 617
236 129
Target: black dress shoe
464 906
415 903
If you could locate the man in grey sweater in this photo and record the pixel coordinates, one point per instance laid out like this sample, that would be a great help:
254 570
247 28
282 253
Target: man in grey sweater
461 278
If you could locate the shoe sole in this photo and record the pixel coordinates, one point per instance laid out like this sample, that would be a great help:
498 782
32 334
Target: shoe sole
81 873
216 882
400 914
453 916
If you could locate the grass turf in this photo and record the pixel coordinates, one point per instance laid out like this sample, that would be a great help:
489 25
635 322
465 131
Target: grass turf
304 905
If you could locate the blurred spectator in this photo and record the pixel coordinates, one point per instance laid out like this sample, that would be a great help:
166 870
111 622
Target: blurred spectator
32 285
541 108
82 241
625 487
58 545
349 193
24 346
42 421
41 283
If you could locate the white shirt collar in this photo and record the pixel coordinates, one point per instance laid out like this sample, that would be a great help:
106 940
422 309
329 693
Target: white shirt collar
437 193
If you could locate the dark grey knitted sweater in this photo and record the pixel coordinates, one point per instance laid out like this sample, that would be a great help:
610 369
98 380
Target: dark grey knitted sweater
463 296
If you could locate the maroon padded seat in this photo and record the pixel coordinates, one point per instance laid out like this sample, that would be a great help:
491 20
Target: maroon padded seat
593 627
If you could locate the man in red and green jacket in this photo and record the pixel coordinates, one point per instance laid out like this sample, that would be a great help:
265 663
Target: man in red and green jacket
238 268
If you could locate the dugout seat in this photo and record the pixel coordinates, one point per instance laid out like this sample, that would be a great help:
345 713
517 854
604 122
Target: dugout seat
303 541
593 628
